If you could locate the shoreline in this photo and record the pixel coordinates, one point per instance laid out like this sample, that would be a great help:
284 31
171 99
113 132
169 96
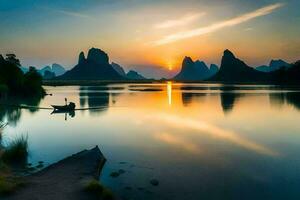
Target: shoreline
65 179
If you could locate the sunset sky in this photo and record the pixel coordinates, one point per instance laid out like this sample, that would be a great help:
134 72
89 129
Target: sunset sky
151 36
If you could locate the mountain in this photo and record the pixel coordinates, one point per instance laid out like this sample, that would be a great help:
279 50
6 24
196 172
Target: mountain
118 69
194 71
274 65
133 75
57 69
95 67
287 75
24 69
44 69
48 75
234 70
213 69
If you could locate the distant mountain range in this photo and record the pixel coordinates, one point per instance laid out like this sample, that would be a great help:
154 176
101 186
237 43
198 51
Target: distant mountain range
195 71
234 70
273 66
54 70
96 67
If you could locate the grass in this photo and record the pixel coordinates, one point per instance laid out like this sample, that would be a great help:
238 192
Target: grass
16 151
94 187
9 185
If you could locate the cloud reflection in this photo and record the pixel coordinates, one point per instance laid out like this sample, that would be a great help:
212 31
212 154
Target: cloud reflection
215 132
178 141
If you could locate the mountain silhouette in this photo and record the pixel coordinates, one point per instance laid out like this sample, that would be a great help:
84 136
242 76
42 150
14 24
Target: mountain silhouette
133 75
195 71
273 66
118 69
57 69
95 67
287 75
234 70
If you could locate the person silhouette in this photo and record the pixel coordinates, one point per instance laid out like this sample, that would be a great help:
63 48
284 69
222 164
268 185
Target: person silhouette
66 101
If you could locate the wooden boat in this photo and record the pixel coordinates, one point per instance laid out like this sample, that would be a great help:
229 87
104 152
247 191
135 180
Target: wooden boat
70 107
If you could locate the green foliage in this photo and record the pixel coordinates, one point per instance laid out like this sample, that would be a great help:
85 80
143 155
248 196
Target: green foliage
15 82
17 151
32 83
94 187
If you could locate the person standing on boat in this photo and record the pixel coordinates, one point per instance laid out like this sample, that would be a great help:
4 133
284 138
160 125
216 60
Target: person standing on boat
66 101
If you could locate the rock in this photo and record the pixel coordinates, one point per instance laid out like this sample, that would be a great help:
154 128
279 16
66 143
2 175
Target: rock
114 174
154 182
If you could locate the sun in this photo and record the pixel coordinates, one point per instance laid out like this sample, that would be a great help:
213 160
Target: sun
170 66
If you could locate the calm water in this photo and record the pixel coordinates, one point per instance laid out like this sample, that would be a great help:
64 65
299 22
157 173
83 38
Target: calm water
199 141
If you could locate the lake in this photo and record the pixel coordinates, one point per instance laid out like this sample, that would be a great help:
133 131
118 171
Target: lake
199 141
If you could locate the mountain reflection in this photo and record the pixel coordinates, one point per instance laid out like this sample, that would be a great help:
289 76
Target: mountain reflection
189 97
228 99
94 97
291 98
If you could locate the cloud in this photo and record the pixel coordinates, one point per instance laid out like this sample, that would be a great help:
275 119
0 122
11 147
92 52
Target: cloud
73 14
179 22
217 26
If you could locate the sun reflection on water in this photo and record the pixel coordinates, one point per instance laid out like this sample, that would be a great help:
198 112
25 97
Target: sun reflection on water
169 90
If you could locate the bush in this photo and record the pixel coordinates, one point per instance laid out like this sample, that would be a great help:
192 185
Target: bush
94 187
15 82
17 151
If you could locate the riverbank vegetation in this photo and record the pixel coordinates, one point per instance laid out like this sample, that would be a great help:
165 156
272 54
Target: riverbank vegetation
95 188
13 82
12 155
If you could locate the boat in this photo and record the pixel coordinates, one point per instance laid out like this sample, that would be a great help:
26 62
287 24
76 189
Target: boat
70 107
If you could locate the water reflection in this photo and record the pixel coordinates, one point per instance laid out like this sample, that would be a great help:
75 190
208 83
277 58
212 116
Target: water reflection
66 113
290 98
235 156
189 97
204 127
228 100
94 97
169 91
10 110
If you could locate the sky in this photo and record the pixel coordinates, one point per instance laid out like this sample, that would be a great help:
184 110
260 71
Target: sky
150 36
